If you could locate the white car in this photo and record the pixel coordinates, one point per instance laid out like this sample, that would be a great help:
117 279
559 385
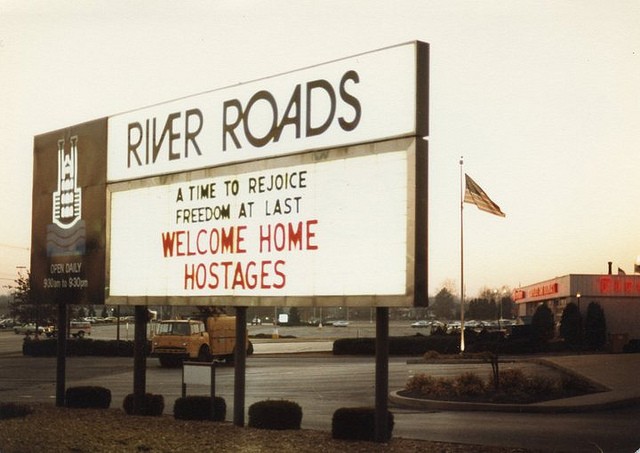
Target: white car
28 329
421 323
340 323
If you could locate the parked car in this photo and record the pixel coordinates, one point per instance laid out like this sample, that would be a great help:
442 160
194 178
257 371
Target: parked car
28 329
421 323
340 323
79 329
7 323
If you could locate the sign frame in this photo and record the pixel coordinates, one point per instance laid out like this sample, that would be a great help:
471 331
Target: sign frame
416 235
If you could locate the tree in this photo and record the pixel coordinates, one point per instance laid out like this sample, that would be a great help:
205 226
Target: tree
24 308
481 309
595 330
294 316
571 325
443 304
506 307
542 324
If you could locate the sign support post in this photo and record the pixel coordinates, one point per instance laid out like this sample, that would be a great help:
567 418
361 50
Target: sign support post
139 359
240 360
382 375
61 363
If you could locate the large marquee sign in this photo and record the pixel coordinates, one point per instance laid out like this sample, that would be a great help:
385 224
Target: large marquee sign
307 188
332 225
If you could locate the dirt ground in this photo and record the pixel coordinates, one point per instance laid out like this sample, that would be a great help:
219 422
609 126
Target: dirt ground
53 429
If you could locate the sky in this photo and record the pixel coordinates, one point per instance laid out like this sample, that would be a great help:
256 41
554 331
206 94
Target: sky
542 98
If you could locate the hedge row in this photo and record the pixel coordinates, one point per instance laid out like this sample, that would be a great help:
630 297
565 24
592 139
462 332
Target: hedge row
81 347
418 344
413 345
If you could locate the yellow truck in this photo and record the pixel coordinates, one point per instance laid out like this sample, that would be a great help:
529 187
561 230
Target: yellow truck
176 340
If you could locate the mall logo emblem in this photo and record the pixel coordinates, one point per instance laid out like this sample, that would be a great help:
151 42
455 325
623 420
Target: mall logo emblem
67 200
66 235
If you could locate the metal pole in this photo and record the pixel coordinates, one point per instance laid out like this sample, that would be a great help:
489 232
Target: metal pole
139 359
213 390
61 364
382 375
461 258
240 359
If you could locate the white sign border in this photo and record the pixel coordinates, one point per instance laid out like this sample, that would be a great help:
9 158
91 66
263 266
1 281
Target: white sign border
416 269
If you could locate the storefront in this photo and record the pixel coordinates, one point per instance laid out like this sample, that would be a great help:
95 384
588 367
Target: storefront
618 295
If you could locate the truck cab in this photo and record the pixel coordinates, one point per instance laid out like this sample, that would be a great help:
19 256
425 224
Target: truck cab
176 340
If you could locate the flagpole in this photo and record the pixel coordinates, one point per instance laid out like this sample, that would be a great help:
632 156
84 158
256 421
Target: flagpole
461 257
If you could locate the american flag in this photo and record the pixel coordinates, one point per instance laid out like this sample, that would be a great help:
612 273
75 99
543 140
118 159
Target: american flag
475 195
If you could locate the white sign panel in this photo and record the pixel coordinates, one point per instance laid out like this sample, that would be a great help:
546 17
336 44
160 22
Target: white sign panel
348 101
336 227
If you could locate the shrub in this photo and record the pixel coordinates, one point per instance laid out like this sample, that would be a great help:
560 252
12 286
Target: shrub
430 355
469 385
540 388
88 397
512 380
199 408
357 423
421 383
275 414
431 387
151 404
14 410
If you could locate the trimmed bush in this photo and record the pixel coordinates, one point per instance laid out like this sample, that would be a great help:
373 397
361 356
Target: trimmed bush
152 405
14 410
357 423
275 414
199 408
88 397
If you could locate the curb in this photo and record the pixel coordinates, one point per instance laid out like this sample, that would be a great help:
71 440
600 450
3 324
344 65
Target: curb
436 405
566 405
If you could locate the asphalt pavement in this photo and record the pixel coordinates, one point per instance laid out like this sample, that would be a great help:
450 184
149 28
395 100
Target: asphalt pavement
615 374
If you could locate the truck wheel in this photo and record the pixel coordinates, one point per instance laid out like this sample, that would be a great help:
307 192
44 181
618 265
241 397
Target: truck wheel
249 349
203 354
81 334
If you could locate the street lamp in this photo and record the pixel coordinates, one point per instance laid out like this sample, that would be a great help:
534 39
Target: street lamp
498 302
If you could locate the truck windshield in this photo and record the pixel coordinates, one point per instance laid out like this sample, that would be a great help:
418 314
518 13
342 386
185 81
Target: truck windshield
173 328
